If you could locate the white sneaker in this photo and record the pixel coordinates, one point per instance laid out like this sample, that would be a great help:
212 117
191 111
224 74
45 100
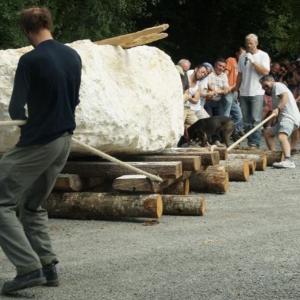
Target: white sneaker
285 164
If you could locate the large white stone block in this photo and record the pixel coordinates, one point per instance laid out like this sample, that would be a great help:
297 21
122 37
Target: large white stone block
131 100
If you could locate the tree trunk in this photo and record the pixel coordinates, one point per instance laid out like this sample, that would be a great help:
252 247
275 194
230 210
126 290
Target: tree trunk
104 206
238 169
184 205
261 159
212 180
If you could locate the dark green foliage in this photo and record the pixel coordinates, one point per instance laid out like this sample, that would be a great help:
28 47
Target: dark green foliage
205 29
73 19
199 29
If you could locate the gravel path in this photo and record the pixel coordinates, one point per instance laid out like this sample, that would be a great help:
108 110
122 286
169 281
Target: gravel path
246 247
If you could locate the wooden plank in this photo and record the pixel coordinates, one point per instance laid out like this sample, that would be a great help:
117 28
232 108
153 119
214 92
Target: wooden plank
136 38
189 163
112 170
136 183
141 184
143 40
100 206
207 158
222 150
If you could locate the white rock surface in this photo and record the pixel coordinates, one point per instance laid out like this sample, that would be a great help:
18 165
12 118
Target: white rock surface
131 100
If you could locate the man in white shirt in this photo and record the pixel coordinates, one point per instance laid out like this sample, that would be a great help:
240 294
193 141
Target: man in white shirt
218 84
288 118
252 66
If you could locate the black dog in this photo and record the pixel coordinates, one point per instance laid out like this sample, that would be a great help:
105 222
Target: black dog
208 131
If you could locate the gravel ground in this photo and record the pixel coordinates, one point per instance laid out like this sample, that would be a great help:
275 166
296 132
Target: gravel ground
246 247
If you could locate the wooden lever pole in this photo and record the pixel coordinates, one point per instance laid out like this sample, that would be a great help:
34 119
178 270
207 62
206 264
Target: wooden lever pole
250 132
95 152
12 123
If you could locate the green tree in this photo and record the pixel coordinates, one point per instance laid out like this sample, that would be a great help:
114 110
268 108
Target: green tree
73 20
205 29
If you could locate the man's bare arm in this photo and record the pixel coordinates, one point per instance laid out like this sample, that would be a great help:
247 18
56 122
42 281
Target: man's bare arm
260 69
238 81
282 103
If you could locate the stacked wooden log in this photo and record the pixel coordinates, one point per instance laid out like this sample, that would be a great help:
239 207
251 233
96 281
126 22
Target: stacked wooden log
88 181
92 188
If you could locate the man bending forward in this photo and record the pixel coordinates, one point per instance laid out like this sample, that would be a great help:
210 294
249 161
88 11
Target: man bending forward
288 118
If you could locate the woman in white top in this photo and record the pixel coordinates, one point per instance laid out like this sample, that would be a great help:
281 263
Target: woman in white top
194 93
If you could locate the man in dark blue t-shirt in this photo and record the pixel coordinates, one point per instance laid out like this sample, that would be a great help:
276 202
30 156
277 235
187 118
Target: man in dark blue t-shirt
47 81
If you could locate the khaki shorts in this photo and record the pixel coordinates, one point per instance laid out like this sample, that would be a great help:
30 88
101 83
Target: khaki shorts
189 117
285 125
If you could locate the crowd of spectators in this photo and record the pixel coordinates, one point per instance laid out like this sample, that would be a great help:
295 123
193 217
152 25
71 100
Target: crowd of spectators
232 87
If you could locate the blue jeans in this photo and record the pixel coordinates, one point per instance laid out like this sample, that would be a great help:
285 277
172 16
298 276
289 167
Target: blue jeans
225 104
213 108
252 108
236 113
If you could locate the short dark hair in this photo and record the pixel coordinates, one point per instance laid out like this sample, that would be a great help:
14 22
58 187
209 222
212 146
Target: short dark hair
35 19
200 66
266 78
220 59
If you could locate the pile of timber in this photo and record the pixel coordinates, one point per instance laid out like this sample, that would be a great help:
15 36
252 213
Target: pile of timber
90 188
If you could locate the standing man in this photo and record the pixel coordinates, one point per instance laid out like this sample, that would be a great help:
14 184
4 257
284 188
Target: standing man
47 80
230 101
252 66
288 118
184 66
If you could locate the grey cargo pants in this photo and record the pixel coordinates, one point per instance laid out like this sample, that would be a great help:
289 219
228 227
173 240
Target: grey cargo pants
27 176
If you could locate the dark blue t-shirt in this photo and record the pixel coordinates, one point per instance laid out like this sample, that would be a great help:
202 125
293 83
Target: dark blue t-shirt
47 80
